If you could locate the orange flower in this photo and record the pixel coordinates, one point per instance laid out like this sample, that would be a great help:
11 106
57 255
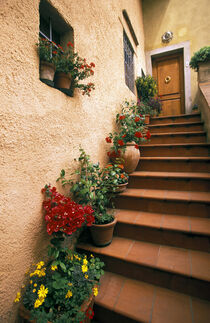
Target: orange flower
122 176
120 166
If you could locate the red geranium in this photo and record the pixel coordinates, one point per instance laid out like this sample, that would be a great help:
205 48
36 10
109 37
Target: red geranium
122 117
64 215
70 44
120 142
138 134
137 119
148 135
136 146
108 139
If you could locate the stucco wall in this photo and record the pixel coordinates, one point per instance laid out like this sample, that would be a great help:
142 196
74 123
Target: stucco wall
188 20
42 128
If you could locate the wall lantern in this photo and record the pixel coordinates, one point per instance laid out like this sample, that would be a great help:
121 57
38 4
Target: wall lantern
167 37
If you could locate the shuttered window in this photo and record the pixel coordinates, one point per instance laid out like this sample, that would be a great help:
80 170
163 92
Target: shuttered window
128 62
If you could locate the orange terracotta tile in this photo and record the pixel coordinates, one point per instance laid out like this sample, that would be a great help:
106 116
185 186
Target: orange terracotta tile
201 310
109 290
154 193
133 192
200 225
127 216
119 248
149 219
135 300
200 264
174 259
200 196
171 307
143 253
177 195
176 222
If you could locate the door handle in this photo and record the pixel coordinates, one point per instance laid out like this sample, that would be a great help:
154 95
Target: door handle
167 79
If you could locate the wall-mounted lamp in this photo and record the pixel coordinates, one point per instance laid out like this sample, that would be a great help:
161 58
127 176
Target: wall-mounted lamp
167 37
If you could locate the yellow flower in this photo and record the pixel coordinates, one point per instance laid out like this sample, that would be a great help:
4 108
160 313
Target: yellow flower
17 299
95 291
40 265
38 302
54 267
31 281
34 290
85 262
69 294
84 268
92 256
86 276
69 284
35 285
42 292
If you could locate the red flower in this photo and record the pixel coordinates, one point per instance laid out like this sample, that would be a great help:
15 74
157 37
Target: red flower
82 66
122 117
138 134
91 72
148 135
60 47
137 119
136 146
89 313
108 139
92 64
120 142
124 136
54 52
70 44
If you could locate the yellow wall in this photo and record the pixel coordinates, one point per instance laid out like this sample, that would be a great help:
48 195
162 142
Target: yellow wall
189 20
41 128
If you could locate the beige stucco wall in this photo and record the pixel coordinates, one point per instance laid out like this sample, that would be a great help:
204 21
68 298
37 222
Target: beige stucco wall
188 20
41 128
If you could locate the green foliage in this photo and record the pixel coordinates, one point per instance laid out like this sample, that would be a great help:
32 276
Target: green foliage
202 55
89 187
146 87
45 49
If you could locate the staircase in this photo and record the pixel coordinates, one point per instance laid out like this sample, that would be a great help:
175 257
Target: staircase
158 264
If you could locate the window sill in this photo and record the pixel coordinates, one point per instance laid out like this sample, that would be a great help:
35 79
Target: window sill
68 92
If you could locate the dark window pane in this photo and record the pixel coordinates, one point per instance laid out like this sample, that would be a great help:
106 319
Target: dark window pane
128 63
44 26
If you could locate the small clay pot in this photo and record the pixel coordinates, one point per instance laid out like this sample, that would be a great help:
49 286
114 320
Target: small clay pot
47 71
62 80
102 234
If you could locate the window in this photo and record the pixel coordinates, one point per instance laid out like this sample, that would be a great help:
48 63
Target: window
128 62
53 27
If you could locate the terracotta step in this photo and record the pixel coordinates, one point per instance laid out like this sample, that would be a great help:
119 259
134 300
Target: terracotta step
176 127
180 181
177 137
193 117
123 300
165 201
173 230
182 270
175 150
173 164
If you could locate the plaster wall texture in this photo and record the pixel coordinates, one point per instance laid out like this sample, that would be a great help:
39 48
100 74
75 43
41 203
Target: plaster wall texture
41 128
188 20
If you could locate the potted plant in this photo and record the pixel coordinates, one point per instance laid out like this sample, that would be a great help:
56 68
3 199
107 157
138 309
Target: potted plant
70 68
90 187
131 133
200 62
114 174
61 289
146 87
151 106
47 66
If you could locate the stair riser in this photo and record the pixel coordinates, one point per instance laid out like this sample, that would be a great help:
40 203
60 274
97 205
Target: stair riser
191 118
173 151
176 128
105 315
178 207
173 166
178 184
177 139
163 236
151 275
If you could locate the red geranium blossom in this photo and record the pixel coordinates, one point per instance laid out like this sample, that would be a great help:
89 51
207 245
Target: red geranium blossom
137 119
120 142
122 117
138 134
136 146
148 135
108 139
70 44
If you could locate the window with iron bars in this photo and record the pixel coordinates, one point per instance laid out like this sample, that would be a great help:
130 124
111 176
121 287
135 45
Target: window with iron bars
128 63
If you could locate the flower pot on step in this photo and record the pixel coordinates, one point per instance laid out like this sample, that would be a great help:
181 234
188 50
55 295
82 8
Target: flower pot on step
62 80
147 119
121 187
102 234
47 71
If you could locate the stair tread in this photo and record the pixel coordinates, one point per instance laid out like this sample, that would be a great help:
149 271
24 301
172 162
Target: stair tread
192 175
181 223
188 196
200 158
187 115
145 302
177 145
175 124
179 261
181 133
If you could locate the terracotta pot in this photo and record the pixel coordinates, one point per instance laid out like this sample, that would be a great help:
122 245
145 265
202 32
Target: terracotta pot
62 80
102 233
121 187
130 158
47 70
25 314
147 119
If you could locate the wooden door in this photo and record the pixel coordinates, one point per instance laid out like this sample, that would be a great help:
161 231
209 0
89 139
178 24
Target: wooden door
169 73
